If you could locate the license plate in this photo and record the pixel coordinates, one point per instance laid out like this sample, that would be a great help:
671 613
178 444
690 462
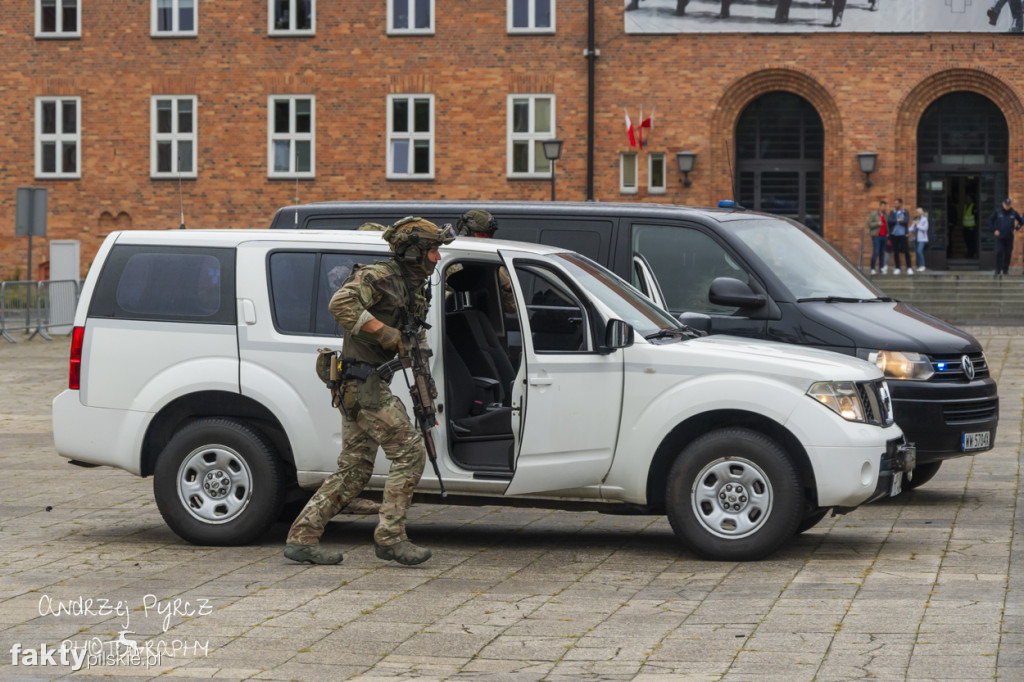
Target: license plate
897 484
975 441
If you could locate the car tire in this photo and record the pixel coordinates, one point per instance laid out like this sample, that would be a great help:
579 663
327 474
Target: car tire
219 482
810 521
922 474
734 495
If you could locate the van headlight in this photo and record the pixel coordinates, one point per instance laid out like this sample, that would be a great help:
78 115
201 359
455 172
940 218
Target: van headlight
897 364
842 397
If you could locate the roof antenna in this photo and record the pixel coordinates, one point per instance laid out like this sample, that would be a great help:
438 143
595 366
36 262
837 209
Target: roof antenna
181 200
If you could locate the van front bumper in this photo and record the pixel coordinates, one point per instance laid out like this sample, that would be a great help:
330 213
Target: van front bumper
946 420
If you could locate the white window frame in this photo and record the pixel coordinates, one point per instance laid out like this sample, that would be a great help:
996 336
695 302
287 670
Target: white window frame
175 31
60 32
623 187
529 136
174 137
411 135
531 27
290 31
58 137
292 137
652 158
409 30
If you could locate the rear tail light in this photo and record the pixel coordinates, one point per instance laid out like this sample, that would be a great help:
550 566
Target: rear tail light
75 363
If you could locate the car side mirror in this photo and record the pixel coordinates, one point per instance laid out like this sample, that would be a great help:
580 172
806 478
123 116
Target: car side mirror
698 321
732 292
617 334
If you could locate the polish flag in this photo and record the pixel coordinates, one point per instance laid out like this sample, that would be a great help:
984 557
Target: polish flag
629 130
645 123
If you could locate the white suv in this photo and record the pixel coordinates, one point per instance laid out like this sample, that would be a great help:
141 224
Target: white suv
193 359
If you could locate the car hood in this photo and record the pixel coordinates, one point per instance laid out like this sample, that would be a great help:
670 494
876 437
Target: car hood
796 364
890 326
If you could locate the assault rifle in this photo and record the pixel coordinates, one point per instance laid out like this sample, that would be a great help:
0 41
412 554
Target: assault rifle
414 357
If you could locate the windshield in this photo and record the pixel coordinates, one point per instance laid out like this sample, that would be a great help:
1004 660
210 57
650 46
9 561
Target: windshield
625 302
806 265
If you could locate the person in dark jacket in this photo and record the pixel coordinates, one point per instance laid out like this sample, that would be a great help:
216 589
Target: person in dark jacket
1003 222
899 219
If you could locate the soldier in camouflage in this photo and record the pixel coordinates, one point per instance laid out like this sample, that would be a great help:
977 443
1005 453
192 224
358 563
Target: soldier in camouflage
369 307
481 224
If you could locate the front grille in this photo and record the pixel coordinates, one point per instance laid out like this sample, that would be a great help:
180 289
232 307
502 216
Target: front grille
948 366
877 404
970 412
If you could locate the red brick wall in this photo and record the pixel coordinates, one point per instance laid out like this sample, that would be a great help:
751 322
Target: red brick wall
869 89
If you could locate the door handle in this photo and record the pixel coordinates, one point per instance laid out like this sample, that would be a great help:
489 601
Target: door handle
541 381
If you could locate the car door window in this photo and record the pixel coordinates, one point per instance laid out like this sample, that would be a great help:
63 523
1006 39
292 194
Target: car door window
685 261
558 320
301 286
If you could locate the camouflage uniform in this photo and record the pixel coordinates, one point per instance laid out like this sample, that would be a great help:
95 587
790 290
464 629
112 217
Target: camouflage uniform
372 415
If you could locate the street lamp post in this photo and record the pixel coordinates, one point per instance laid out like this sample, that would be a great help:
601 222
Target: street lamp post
552 152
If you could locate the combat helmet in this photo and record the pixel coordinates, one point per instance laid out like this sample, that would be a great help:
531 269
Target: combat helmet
412 238
371 227
477 220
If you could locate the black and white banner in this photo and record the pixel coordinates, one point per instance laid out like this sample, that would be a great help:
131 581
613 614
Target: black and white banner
803 16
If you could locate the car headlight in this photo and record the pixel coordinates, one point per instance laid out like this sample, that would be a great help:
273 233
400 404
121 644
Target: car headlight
900 364
842 397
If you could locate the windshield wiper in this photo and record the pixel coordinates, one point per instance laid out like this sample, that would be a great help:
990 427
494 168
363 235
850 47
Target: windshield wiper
840 299
683 330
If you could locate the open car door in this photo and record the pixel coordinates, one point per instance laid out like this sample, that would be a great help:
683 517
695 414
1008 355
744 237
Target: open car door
567 399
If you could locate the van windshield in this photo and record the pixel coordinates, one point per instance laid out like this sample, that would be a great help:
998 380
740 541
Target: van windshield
628 304
806 264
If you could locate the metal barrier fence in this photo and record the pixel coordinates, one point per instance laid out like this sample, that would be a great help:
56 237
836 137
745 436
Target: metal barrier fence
38 307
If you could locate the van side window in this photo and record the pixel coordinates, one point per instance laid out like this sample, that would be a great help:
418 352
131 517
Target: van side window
558 321
167 284
301 286
592 238
685 261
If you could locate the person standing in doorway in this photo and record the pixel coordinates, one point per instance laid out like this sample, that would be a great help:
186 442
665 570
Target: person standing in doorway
879 236
899 221
1003 222
970 225
919 235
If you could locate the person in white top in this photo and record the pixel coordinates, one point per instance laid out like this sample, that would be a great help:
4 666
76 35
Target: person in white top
919 234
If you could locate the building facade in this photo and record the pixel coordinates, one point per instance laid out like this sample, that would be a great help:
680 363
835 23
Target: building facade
148 114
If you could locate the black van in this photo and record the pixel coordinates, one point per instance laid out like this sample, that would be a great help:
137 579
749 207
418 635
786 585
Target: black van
749 274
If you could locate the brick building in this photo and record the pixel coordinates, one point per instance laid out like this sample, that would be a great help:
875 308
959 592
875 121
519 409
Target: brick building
130 112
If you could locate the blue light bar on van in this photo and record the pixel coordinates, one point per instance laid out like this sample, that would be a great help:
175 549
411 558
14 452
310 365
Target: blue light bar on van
726 203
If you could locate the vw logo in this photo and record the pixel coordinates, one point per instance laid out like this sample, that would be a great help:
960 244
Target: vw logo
968 367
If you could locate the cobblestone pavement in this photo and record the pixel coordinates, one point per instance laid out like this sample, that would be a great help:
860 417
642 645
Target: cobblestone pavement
926 586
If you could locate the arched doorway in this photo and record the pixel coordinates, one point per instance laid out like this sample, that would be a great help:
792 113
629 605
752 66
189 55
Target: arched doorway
962 157
780 143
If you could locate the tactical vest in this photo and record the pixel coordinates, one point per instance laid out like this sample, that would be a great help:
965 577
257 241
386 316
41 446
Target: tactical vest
388 280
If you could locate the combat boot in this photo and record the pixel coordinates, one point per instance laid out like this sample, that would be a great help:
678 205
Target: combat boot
403 552
312 553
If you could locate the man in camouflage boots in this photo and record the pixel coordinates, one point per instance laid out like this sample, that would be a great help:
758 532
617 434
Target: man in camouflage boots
481 224
370 307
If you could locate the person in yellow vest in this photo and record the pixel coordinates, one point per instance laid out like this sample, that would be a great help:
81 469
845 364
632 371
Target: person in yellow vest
970 223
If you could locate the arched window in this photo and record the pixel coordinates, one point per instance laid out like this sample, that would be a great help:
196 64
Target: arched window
780 144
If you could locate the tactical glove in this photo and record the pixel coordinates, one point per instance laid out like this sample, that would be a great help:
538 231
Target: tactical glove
388 337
